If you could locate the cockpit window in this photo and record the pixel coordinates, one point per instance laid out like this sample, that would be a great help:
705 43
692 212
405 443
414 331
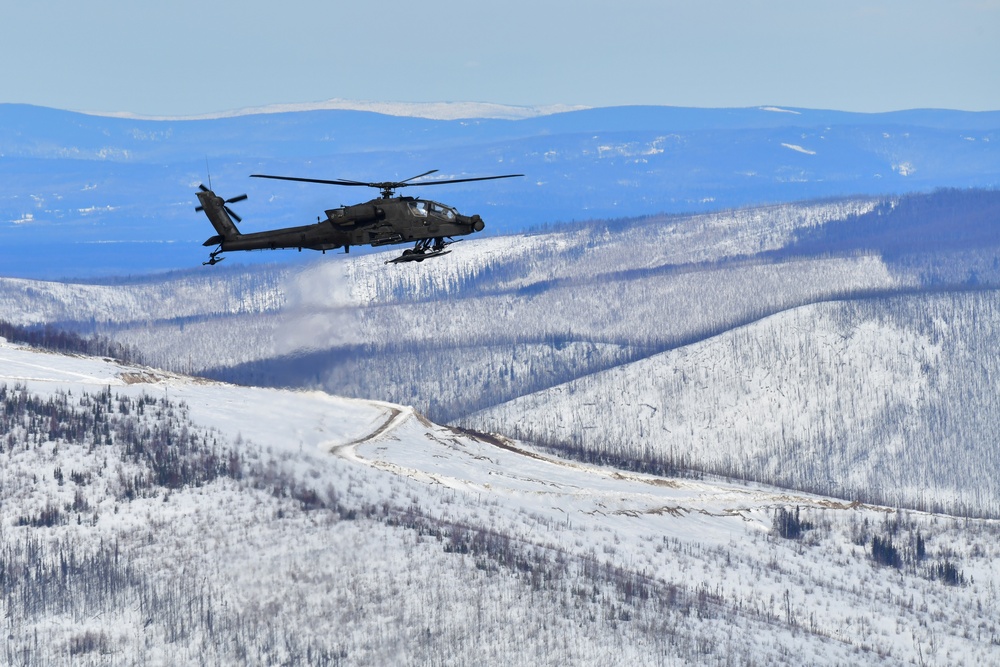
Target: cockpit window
442 211
418 208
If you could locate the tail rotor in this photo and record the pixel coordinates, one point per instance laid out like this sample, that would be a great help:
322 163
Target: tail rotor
225 203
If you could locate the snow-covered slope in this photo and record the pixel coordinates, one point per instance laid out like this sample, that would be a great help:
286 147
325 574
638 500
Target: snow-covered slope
183 296
353 532
890 399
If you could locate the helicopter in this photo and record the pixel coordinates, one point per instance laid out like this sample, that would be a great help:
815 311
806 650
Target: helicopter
387 220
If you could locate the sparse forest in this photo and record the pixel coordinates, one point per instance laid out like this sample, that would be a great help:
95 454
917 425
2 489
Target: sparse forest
886 400
135 536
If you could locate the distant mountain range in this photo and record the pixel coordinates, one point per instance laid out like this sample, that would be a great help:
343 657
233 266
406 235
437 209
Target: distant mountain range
430 110
85 195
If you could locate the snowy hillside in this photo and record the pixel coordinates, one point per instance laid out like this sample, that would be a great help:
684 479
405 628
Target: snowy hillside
748 431
169 520
147 299
888 400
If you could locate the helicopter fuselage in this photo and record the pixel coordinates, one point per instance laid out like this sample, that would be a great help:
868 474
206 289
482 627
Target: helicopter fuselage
377 222
388 220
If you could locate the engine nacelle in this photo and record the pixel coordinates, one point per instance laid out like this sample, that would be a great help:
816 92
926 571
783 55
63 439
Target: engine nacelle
359 214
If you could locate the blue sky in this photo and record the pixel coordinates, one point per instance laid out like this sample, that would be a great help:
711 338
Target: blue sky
187 57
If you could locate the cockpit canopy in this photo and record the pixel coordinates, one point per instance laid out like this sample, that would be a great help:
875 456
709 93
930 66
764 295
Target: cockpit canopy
421 208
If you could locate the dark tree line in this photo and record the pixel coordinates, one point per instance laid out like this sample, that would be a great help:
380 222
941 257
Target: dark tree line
929 222
790 525
910 551
49 337
884 552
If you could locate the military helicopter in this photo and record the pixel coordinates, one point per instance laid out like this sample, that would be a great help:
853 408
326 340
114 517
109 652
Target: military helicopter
388 220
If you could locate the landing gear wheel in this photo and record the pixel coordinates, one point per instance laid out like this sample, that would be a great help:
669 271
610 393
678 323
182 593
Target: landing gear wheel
213 258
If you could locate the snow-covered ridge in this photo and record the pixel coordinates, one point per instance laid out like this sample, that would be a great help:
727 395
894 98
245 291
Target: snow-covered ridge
780 110
429 110
32 302
800 149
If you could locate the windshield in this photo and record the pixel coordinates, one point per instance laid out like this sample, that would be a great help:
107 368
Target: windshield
442 211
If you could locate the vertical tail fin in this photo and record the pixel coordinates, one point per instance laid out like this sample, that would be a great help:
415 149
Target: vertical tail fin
219 214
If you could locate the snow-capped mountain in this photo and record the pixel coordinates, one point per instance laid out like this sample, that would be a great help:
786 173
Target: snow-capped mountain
152 518
429 110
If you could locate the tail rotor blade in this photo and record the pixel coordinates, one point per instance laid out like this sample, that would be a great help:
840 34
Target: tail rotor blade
225 203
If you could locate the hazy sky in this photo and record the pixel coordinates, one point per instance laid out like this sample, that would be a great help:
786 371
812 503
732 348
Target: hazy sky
185 57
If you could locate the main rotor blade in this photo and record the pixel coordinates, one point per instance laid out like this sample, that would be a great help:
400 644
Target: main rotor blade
413 178
387 185
310 180
461 180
